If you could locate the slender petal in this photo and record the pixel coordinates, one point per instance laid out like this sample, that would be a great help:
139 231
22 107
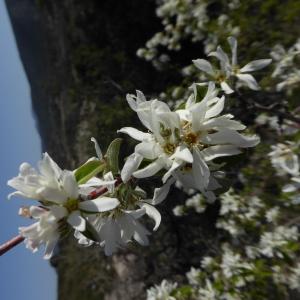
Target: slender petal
255 65
132 163
249 80
150 170
135 134
153 213
100 204
77 221
97 148
204 66
213 152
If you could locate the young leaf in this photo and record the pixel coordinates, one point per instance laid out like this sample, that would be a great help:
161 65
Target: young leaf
88 170
112 156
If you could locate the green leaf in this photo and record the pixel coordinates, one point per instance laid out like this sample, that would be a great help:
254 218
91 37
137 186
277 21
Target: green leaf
88 170
112 156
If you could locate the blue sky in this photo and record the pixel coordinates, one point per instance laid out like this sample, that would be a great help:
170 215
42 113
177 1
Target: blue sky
23 275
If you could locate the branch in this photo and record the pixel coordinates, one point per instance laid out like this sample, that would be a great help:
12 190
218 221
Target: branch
272 108
10 244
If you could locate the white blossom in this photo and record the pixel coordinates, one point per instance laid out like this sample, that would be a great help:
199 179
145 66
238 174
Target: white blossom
283 158
162 291
193 136
229 68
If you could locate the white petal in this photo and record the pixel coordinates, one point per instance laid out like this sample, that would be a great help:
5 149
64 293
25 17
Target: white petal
48 167
150 170
59 211
153 213
36 212
255 65
97 148
141 234
131 101
222 57
175 165
233 45
70 185
149 150
50 246
16 194
227 136
100 204
213 152
223 121
52 195
111 236
215 109
226 88
183 153
200 170
77 221
135 134
161 193
204 66
249 80
132 163
96 182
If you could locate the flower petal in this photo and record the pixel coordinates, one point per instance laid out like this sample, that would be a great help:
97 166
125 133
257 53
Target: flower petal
213 152
70 185
161 193
255 65
227 136
150 170
97 148
77 221
226 88
233 45
100 204
153 213
135 133
132 163
200 170
249 80
204 66
216 109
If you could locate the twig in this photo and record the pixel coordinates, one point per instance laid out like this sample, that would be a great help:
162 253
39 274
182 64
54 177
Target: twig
272 108
10 244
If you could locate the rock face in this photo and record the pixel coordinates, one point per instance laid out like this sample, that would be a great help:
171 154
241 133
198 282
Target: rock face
80 58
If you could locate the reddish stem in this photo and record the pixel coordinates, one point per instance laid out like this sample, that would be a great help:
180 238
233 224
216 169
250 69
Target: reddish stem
10 244
19 239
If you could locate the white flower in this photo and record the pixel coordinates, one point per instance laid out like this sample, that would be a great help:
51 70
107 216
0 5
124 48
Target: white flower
186 141
272 214
232 263
45 232
120 226
208 292
193 276
230 68
162 291
283 159
59 191
271 243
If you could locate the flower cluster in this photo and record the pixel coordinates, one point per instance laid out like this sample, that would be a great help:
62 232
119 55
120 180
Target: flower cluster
230 68
183 143
102 210
103 204
286 71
